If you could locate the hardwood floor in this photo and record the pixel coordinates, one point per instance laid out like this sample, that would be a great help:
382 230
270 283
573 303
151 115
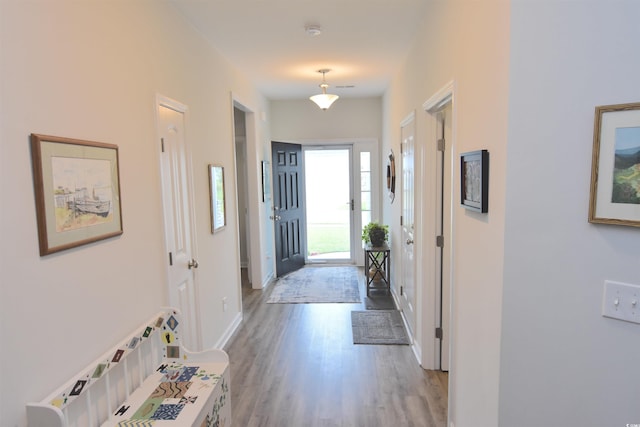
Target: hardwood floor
295 365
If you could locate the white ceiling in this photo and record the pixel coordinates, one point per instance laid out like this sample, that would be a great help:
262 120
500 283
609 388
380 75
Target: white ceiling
363 42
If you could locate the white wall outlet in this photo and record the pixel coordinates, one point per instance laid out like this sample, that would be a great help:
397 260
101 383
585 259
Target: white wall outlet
621 301
224 304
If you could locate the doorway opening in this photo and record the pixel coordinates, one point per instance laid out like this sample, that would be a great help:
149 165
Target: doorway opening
329 204
440 108
240 140
255 242
344 169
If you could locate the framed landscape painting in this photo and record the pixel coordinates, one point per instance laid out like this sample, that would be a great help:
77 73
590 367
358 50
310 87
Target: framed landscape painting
615 166
77 191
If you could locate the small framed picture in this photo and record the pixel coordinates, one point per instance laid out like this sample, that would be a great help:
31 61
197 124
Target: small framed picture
391 176
615 166
266 181
216 186
77 191
474 180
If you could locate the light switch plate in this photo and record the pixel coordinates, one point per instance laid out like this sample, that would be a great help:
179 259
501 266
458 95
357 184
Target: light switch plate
621 301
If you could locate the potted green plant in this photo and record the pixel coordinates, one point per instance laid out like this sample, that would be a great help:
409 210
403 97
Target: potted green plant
375 234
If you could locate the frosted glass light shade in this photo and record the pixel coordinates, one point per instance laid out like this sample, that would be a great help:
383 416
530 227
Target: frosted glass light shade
324 100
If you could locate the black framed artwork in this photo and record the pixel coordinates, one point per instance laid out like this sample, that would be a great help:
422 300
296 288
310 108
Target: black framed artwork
474 180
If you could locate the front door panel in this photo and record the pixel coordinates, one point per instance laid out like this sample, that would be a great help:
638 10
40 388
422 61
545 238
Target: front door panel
288 212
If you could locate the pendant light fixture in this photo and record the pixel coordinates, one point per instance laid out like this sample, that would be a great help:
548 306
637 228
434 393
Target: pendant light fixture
324 100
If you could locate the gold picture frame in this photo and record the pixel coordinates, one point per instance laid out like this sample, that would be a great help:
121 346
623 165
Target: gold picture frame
615 166
77 192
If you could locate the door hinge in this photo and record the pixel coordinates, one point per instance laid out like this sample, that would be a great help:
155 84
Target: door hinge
162 144
352 205
440 241
439 333
401 220
401 289
441 144
170 258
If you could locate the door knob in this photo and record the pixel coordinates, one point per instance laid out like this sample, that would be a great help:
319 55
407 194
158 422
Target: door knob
192 264
275 217
409 241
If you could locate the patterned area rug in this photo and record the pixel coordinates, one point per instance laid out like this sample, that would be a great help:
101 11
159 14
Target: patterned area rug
317 284
378 327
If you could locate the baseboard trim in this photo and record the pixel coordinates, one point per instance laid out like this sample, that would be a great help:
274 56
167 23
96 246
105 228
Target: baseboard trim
224 340
267 281
415 347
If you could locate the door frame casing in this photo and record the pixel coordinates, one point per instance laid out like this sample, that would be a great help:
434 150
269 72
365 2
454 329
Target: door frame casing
435 104
432 106
358 145
261 266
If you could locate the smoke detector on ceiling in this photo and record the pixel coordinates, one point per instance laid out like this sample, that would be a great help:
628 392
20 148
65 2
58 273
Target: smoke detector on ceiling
313 30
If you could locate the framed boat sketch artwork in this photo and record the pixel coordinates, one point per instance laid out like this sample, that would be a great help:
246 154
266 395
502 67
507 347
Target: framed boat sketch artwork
474 180
77 192
615 166
216 186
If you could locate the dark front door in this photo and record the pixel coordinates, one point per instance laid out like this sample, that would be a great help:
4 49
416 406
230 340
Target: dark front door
288 206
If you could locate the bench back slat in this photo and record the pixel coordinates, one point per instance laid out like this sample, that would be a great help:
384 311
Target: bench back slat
91 396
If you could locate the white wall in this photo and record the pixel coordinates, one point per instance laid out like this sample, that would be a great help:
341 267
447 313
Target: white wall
530 346
466 42
562 362
296 120
91 70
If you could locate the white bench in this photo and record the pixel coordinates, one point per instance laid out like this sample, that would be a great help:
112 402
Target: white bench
149 379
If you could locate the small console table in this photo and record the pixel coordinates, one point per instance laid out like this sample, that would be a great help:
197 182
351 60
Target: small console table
377 268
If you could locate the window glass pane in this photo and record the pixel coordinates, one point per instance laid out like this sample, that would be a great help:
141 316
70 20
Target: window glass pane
365 181
365 187
365 161
366 201
366 218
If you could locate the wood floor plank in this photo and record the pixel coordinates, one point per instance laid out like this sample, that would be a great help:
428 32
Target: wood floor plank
295 365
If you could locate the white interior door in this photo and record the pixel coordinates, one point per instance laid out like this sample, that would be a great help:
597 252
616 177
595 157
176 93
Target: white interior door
408 290
177 202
